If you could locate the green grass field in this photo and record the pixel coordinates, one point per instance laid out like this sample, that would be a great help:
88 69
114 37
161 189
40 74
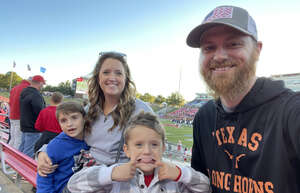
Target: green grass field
174 134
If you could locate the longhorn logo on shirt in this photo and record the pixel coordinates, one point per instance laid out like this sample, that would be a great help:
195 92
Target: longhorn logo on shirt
237 158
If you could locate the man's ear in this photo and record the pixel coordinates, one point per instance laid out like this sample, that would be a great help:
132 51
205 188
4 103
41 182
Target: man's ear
259 46
126 150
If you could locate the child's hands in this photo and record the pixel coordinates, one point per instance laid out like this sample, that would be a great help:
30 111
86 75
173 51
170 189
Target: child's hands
124 172
167 171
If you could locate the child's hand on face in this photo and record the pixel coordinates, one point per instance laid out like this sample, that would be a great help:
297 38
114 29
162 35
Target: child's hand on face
124 172
167 171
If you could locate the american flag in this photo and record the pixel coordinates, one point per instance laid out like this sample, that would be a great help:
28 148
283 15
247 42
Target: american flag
219 13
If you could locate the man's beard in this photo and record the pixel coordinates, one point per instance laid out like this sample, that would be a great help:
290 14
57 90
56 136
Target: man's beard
230 85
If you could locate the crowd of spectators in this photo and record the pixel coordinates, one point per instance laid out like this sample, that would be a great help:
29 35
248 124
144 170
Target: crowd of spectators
4 110
184 112
182 116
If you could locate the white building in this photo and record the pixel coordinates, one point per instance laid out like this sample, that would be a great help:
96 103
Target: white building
291 81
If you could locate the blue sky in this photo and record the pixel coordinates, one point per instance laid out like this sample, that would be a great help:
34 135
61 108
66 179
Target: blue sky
65 37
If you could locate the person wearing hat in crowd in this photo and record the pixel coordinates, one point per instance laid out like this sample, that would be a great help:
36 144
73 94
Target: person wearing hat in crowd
14 113
247 138
31 103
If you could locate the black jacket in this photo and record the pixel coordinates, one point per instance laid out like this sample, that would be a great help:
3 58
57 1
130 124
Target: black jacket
31 103
254 149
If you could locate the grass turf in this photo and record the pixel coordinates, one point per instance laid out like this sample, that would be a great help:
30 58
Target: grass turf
174 134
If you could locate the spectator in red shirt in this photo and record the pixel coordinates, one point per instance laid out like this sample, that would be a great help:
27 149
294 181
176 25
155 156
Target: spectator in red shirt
14 113
47 122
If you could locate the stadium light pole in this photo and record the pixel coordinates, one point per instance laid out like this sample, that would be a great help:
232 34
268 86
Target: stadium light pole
180 70
165 106
11 77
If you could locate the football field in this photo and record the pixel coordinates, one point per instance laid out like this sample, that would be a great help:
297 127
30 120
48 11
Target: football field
174 133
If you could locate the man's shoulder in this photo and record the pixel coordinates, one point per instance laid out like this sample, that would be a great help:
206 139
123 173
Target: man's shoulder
209 106
26 90
291 100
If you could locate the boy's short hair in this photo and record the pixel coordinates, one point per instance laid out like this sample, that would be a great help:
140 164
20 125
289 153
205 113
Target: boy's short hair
57 97
148 120
69 107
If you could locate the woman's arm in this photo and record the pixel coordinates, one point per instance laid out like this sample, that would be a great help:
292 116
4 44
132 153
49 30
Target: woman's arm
45 165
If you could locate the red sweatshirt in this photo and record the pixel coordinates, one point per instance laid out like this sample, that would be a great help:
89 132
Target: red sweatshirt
47 121
14 99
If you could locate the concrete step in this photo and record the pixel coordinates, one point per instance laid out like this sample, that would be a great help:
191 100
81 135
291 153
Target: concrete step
7 186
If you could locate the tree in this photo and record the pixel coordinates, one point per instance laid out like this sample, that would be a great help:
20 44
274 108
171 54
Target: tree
175 99
3 83
138 95
5 79
63 87
160 99
147 98
50 88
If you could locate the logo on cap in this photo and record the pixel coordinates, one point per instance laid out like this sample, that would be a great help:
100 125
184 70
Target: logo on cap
219 13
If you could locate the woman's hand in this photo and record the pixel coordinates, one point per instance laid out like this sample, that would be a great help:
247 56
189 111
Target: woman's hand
45 166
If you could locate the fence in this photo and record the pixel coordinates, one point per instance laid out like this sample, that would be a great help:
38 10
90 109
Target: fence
174 154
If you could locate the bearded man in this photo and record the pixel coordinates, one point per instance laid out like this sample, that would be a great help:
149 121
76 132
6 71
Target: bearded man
247 139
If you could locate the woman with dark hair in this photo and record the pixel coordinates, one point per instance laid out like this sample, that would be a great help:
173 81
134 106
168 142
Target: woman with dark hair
112 103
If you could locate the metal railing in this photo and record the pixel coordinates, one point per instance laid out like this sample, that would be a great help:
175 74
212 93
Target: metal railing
172 154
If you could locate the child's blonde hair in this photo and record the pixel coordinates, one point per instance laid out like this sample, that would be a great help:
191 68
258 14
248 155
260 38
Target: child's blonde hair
148 120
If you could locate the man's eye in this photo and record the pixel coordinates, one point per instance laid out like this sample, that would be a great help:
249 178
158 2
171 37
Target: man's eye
208 48
234 44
